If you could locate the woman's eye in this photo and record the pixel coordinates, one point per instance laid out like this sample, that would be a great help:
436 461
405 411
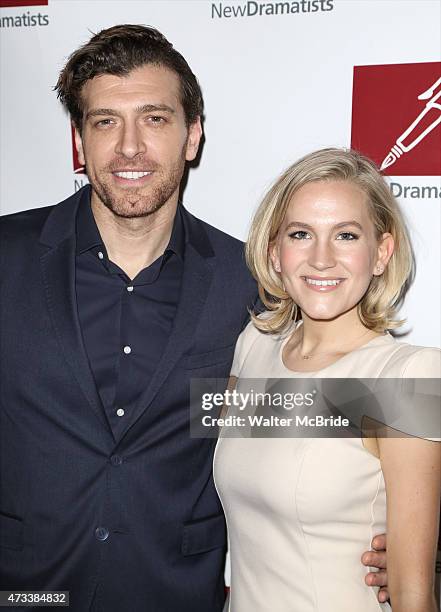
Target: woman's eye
299 235
347 236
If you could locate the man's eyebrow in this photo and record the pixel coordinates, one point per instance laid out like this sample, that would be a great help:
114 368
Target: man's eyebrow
337 226
144 108
148 108
97 112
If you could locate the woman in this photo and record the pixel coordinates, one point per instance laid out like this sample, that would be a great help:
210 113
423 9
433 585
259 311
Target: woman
329 249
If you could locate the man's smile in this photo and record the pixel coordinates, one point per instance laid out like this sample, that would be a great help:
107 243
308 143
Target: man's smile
132 177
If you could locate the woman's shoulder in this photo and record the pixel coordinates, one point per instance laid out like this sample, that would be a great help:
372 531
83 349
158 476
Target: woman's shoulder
256 344
410 361
251 333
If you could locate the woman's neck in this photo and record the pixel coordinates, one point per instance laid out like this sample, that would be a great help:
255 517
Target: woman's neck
340 335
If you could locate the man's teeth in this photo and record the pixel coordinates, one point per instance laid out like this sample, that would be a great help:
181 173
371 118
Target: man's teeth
131 175
322 283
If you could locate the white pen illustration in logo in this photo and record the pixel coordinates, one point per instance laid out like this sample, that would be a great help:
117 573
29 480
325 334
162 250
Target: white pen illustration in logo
426 121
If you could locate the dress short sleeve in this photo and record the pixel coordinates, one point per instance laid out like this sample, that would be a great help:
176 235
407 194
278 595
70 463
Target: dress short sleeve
423 363
243 347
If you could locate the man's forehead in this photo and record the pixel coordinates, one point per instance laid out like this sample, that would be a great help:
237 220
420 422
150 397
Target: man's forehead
149 83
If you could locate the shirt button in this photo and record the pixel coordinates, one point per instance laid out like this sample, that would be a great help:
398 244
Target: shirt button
127 350
100 255
120 412
129 288
101 533
116 460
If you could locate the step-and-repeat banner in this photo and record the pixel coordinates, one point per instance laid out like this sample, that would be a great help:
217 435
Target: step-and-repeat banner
279 79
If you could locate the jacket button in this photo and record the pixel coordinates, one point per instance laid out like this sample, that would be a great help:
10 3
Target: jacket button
101 533
116 460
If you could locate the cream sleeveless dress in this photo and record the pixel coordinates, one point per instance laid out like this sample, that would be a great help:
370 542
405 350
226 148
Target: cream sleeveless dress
300 512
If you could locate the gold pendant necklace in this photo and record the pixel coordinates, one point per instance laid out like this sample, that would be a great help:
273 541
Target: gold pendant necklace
311 355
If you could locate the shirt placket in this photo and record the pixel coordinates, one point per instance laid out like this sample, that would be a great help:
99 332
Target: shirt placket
126 355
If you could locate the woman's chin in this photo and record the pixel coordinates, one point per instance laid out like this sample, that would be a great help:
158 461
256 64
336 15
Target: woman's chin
320 316
321 313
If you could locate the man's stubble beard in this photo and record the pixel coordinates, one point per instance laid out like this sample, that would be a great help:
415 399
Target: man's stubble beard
133 204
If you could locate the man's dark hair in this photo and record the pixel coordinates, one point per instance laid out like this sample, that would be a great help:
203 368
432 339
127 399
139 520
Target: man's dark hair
119 50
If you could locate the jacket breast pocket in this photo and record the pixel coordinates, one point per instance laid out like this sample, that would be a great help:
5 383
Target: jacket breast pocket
11 532
204 535
204 360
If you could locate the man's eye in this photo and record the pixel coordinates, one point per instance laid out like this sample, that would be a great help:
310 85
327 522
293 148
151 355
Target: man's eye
299 235
347 236
104 122
156 119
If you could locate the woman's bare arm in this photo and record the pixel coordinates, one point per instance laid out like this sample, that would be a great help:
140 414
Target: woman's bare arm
412 472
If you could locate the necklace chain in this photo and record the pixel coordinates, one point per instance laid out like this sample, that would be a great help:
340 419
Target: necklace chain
311 355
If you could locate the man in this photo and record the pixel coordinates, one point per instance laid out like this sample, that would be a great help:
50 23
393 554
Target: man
112 301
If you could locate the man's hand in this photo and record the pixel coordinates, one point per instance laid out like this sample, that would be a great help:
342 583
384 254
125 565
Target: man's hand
377 558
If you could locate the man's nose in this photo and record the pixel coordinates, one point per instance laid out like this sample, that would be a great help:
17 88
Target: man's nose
130 142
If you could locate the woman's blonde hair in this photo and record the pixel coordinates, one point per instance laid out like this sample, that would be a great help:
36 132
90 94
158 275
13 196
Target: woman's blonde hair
377 309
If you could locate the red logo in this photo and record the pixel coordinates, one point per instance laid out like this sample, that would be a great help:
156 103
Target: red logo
5 3
78 168
396 117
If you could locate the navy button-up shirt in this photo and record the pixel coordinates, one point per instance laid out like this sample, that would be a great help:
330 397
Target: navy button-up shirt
125 323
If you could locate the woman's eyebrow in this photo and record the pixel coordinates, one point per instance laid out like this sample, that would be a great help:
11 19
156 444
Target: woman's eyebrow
336 226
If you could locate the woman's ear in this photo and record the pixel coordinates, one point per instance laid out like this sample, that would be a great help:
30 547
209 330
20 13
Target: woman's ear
385 250
275 257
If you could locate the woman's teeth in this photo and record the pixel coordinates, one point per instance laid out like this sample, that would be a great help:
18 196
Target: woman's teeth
322 283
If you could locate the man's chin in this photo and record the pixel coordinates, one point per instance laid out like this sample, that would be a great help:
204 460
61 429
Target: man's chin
126 209
132 212
135 203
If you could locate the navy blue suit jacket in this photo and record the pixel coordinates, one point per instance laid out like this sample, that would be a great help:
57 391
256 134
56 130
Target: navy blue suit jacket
127 525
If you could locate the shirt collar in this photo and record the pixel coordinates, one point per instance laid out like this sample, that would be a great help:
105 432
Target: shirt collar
88 235
177 238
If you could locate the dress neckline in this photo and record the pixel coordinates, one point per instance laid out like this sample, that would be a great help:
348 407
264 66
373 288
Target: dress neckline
378 340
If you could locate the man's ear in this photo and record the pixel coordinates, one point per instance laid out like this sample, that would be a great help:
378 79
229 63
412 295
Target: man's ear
79 146
194 138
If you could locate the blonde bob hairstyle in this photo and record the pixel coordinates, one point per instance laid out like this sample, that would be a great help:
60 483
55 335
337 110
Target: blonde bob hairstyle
377 308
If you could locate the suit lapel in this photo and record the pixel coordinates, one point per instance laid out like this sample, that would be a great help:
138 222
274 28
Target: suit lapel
58 274
196 281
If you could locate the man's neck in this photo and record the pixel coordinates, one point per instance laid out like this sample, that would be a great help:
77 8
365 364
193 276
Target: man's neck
133 244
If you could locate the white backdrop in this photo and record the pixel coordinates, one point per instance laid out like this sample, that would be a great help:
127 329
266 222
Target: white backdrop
275 86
